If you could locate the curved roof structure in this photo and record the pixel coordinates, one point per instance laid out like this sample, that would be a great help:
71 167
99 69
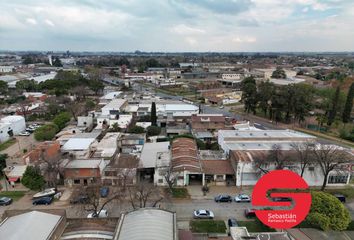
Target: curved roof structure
185 155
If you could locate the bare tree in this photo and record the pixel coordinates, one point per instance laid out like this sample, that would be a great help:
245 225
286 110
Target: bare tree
140 194
274 157
51 168
94 203
75 108
330 158
304 154
24 108
169 176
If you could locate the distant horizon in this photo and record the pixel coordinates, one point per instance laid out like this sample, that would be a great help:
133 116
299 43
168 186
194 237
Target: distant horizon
178 25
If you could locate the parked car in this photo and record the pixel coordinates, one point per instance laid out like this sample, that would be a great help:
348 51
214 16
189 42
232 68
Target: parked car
232 222
340 197
223 198
81 199
5 201
203 214
242 198
30 130
221 107
281 199
43 201
104 191
102 214
49 192
24 133
250 213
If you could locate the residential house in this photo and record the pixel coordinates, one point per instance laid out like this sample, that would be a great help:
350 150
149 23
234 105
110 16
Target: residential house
121 171
84 172
107 147
49 149
131 143
153 156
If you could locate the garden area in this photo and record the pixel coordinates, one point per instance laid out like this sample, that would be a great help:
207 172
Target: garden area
207 226
255 226
180 193
15 195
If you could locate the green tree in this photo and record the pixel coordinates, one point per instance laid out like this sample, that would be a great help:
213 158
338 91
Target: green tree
327 212
62 119
136 129
3 158
27 60
302 101
115 127
3 87
279 73
57 62
249 94
153 114
333 112
89 104
28 85
264 95
32 178
46 132
96 86
153 131
152 62
348 105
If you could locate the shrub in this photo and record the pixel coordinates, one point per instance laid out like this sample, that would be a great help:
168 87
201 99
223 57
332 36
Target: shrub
327 212
32 178
46 132
153 131
61 119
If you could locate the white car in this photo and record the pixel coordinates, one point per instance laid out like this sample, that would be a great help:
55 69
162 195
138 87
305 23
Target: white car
103 214
202 213
242 198
221 107
24 133
49 192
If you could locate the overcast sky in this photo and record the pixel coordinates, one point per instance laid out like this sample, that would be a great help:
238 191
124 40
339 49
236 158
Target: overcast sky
177 25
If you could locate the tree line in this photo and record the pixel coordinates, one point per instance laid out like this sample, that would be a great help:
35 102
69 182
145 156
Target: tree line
294 102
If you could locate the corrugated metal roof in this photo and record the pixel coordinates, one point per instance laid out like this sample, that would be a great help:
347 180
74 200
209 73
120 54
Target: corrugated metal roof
33 225
148 224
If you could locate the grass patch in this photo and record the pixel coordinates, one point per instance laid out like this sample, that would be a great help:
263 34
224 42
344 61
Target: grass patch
351 226
208 226
7 144
348 191
255 226
15 195
180 193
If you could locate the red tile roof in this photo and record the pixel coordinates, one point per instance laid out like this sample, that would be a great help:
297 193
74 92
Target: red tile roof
185 155
217 167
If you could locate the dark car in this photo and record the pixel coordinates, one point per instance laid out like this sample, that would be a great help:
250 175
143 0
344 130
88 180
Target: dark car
43 201
232 222
281 199
81 199
223 198
340 197
250 213
5 201
104 191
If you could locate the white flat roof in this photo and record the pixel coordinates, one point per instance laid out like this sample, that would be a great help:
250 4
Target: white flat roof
115 104
150 151
33 225
87 163
263 134
78 144
11 119
111 95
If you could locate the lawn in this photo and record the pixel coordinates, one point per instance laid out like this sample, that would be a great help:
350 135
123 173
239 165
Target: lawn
208 226
7 144
15 195
255 226
180 193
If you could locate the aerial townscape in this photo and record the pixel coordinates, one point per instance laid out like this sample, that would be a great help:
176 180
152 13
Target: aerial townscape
101 141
